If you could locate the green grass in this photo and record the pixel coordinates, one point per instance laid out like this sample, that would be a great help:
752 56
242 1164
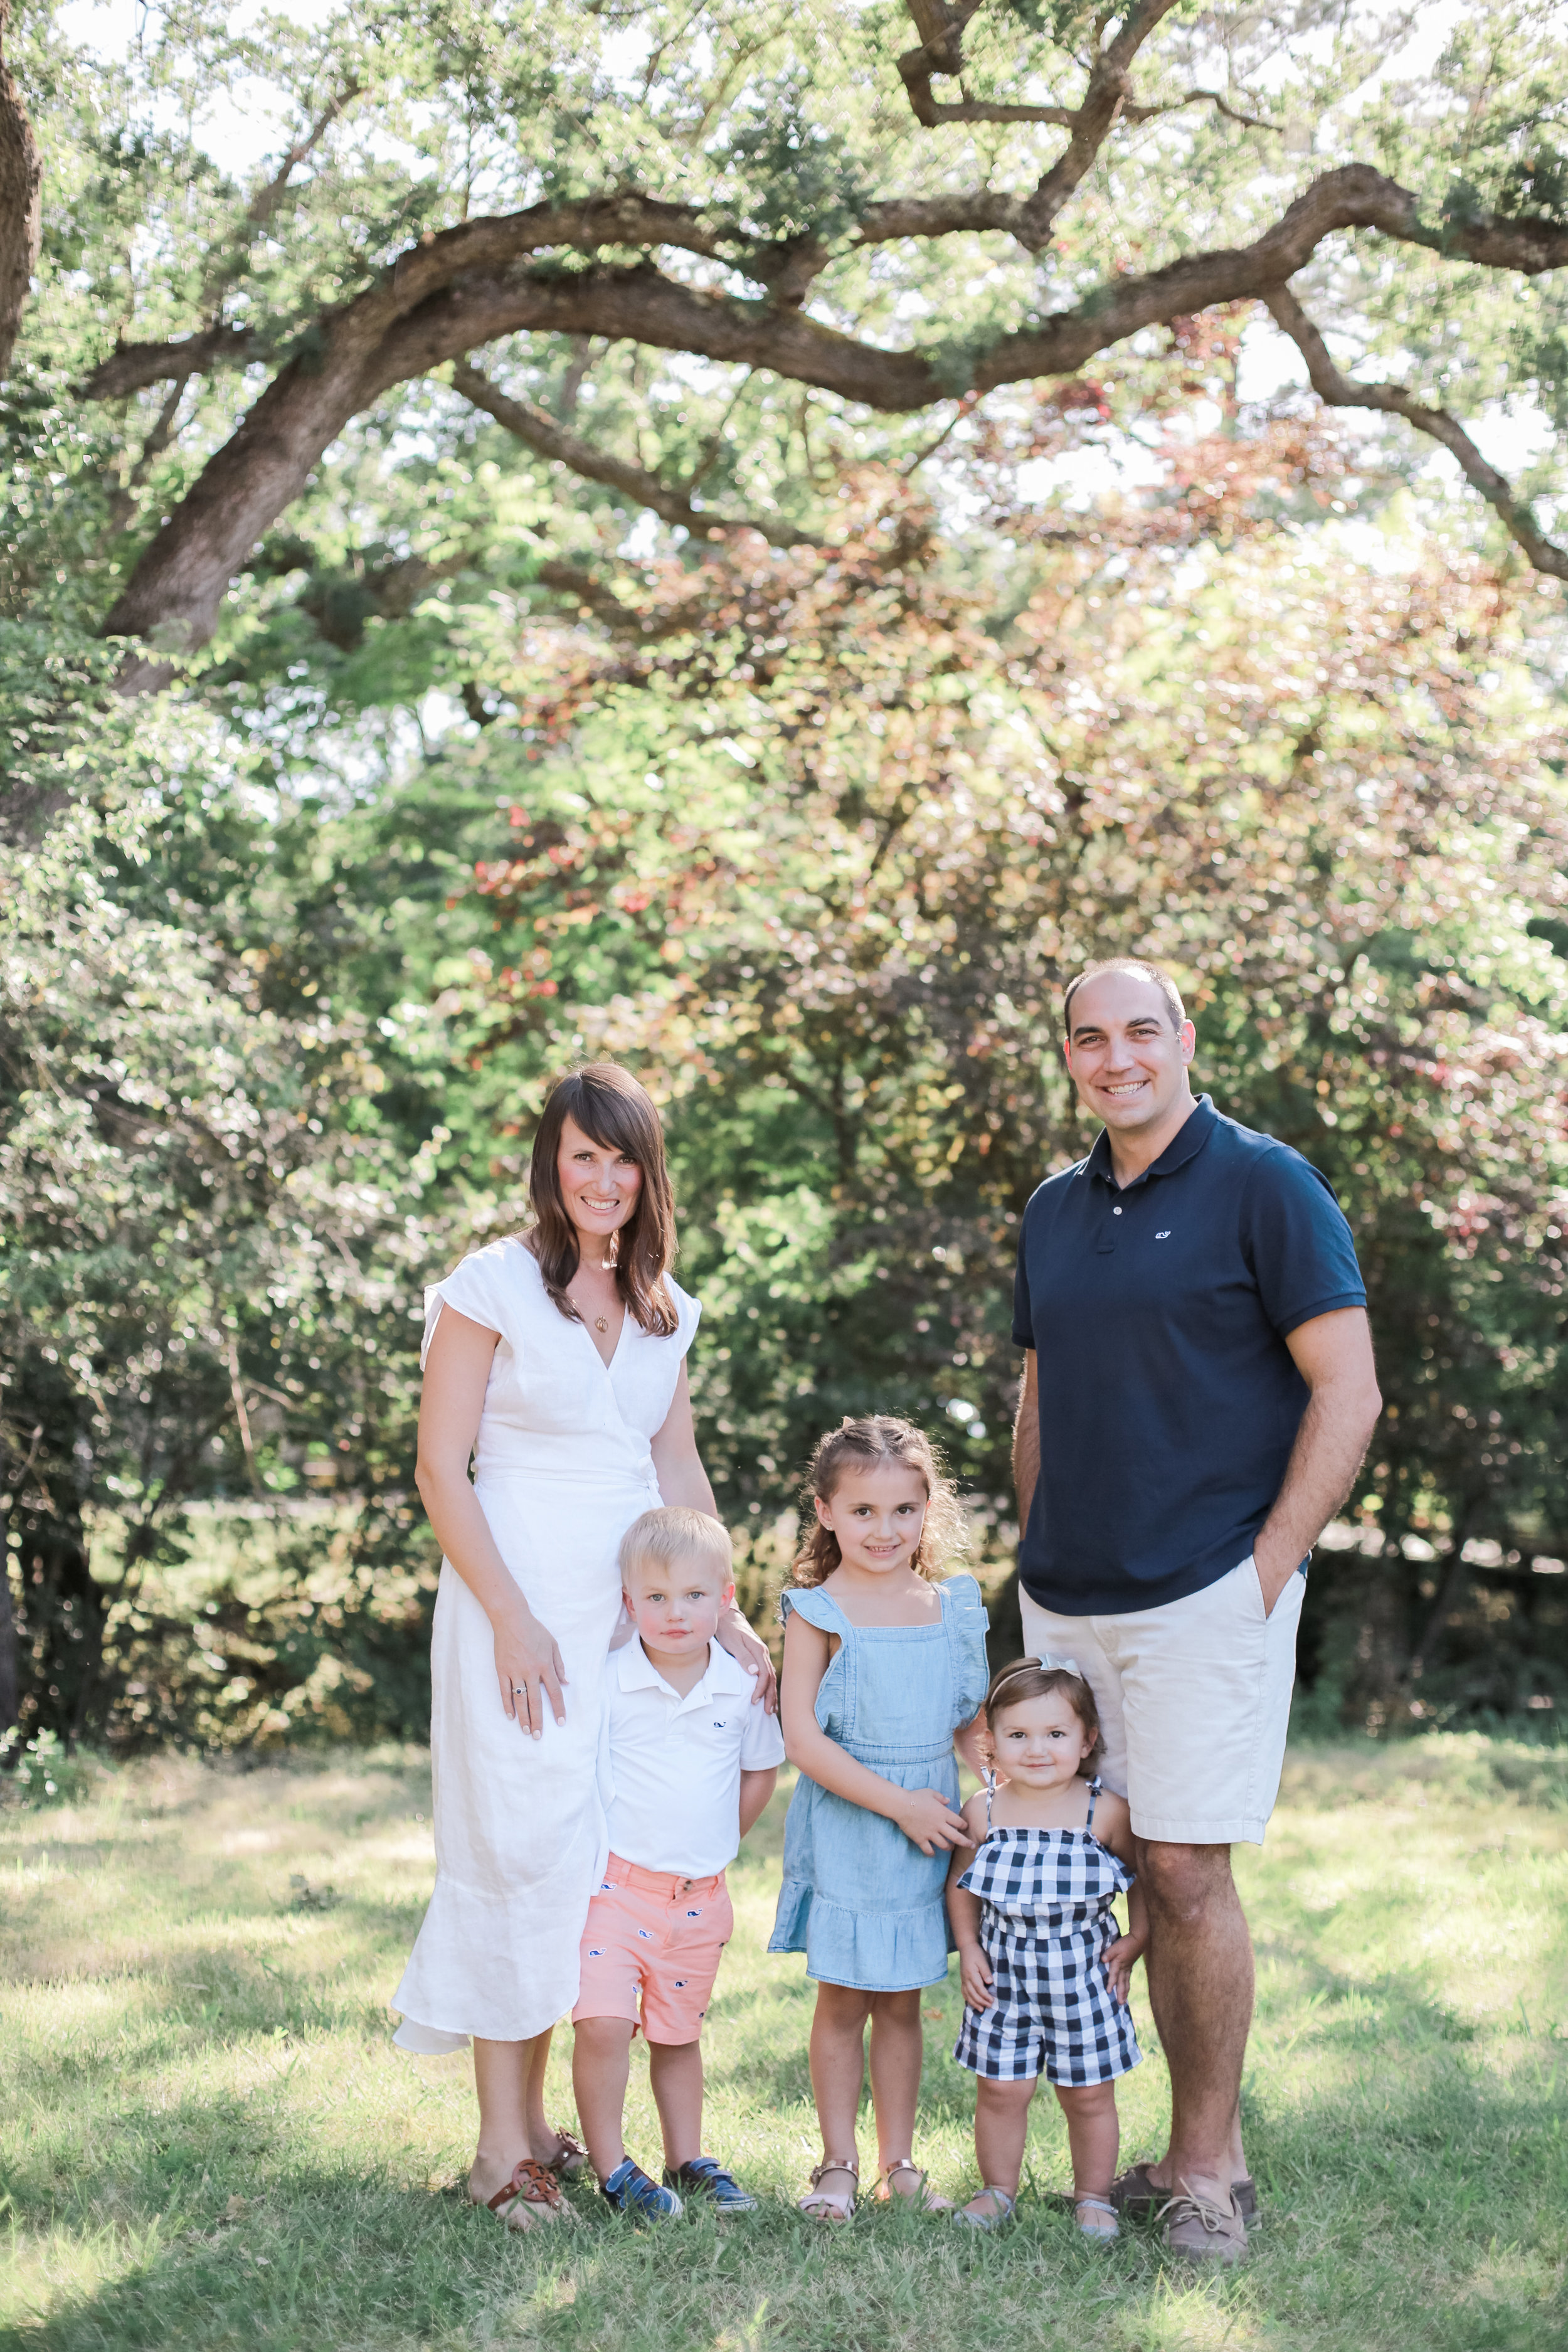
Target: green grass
207 2140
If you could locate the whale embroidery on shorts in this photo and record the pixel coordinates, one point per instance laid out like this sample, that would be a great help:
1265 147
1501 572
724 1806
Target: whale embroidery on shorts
1164 1237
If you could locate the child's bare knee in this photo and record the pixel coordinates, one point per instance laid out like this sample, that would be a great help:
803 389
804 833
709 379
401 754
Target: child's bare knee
602 2037
843 2005
1085 2098
1004 2098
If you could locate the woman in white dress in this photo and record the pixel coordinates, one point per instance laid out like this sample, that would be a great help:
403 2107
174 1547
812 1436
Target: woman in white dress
557 1361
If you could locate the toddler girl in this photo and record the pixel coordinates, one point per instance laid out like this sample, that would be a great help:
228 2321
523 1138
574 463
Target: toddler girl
1043 1969
882 1666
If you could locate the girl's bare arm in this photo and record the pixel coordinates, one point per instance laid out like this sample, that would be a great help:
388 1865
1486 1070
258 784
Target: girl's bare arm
965 1912
1113 1828
756 1789
923 1814
528 1666
972 1743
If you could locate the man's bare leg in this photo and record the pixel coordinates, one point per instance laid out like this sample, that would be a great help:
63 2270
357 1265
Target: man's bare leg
1199 1966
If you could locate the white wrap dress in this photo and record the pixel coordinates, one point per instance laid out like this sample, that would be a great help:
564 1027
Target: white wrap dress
561 1467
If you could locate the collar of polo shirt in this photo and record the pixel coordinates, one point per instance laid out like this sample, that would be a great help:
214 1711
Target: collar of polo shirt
722 1676
1188 1140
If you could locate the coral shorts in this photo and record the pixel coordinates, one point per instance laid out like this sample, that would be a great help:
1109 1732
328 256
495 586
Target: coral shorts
656 1936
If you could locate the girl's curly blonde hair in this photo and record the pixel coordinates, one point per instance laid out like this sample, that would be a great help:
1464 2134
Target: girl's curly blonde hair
861 1445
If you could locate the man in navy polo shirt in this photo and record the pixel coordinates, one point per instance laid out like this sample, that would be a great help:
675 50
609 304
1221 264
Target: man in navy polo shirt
1198 1394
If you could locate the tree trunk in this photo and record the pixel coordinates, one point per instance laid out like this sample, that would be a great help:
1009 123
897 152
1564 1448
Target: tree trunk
10 1680
21 219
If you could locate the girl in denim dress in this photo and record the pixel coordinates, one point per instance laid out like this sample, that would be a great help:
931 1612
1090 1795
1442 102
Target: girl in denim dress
884 1669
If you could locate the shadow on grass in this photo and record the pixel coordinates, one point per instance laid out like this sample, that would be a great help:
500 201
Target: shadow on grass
1383 2198
214 2002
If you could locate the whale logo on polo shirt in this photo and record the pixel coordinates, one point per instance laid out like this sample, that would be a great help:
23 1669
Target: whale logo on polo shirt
1164 1237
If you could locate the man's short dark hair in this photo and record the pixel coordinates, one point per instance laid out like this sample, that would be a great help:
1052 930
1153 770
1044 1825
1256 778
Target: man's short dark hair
1140 971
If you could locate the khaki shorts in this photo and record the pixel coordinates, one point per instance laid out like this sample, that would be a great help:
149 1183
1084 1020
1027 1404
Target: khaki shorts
1194 1702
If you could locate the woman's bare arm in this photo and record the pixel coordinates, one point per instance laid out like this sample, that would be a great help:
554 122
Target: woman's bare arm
923 1814
456 1371
678 1466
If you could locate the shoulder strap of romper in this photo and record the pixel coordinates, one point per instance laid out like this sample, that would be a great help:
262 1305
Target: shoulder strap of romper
1093 1793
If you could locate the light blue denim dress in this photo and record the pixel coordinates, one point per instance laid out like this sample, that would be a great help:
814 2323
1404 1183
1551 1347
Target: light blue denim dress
864 1904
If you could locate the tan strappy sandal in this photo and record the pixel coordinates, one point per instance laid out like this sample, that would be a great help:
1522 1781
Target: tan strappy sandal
532 2194
920 2198
821 2204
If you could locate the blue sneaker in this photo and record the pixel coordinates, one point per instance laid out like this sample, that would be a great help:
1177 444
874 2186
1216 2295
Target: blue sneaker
630 2190
706 2176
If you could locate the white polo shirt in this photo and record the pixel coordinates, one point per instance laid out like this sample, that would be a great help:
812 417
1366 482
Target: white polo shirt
669 1768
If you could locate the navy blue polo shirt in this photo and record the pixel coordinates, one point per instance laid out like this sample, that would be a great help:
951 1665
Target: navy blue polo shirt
1169 1402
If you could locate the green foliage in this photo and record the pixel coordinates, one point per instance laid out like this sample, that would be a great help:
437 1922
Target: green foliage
483 772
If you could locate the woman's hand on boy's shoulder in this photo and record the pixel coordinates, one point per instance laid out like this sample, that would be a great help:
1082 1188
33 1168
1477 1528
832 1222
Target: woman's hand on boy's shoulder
735 1635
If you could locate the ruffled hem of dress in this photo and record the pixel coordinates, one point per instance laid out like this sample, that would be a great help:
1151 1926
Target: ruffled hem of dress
880 1951
427 2041
510 1996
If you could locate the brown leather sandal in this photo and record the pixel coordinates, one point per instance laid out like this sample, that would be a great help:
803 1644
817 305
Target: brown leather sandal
571 2156
531 2196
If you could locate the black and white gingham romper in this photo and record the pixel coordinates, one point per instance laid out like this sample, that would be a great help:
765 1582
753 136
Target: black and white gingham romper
1045 1925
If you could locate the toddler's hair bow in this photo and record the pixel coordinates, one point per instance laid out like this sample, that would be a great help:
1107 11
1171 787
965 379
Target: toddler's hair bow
1060 1666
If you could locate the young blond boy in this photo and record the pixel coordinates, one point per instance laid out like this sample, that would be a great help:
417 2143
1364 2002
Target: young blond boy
688 1763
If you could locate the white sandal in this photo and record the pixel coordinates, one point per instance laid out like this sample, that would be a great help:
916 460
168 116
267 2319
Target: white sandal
821 2204
1096 2230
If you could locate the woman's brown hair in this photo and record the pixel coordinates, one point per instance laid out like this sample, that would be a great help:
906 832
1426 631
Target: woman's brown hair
1029 1678
861 1445
617 1115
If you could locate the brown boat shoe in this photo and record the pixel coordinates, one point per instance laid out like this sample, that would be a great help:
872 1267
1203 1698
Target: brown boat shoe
1137 2197
1202 2231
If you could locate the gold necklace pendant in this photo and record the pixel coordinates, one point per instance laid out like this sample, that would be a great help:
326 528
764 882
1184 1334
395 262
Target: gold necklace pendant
601 1322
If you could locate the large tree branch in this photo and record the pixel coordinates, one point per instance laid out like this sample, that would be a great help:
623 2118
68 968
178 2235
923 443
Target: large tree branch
21 203
463 288
1340 391
131 367
1530 245
539 431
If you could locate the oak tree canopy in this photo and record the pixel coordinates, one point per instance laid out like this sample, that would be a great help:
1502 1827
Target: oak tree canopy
777 238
